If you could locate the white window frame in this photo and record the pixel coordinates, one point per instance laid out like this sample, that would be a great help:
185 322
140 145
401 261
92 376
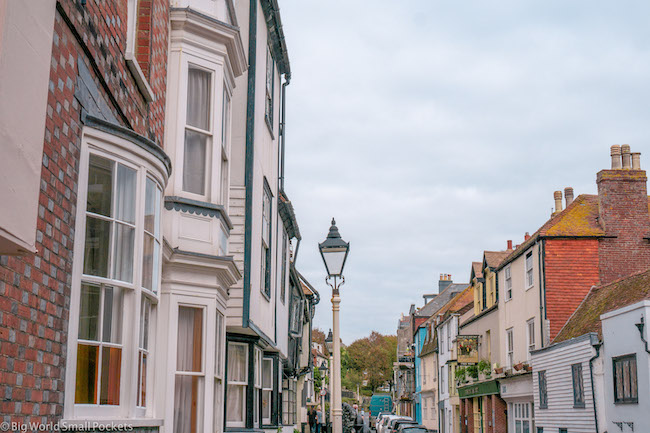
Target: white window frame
269 98
257 414
266 254
129 53
119 150
267 421
530 337
529 273
522 412
508 283
510 349
214 190
219 372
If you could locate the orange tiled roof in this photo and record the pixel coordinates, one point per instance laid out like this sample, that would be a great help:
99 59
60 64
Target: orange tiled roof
602 299
579 219
494 258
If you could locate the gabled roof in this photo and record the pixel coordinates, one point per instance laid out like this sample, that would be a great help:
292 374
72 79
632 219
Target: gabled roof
579 219
477 271
492 259
602 299
458 303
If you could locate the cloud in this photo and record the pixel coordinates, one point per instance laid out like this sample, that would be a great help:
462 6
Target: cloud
435 130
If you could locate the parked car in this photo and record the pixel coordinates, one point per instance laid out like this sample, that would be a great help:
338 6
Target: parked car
382 426
396 424
411 428
379 403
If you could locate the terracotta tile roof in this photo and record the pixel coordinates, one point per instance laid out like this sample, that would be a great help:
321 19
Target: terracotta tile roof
579 219
493 258
602 299
477 269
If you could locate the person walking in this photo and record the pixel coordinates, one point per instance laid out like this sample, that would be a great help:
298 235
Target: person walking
320 420
312 420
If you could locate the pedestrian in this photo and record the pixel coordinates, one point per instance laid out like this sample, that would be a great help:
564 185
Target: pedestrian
358 420
320 420
312 420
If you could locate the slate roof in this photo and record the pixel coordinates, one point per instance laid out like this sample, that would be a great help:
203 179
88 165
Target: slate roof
602 299
460 303
439 301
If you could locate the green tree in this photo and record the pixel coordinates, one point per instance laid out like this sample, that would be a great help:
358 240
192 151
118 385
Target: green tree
371 359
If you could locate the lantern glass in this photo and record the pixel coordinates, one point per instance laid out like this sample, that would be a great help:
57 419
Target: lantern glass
334 259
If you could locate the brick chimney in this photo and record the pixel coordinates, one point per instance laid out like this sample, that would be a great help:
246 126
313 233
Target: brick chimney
557 196
445 281
623 213
568 195
509 244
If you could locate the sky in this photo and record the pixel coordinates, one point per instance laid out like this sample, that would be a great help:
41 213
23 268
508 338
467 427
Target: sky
434 130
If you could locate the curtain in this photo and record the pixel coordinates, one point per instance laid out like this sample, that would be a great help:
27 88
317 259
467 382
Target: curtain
198 98
125 191
112 326
194 162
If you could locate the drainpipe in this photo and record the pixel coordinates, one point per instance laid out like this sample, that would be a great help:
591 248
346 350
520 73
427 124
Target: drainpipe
287 79
596 346
542 289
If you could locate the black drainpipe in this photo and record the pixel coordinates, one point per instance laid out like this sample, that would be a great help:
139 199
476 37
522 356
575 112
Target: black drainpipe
591 375
248 167
541 255
283 128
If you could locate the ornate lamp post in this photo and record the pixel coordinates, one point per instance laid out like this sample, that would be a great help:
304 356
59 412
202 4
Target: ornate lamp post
323 389
329 343
334 251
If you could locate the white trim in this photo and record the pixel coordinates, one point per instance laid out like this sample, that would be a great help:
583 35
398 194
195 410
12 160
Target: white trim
532 269
642 304
123 152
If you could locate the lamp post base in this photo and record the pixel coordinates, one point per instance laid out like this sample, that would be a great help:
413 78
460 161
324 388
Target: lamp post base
337 422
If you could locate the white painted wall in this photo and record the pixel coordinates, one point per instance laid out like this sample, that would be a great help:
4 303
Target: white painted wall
523 306
621 337
556 360
26 30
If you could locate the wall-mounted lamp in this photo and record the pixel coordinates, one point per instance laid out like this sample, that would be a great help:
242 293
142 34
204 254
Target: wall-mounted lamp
640 326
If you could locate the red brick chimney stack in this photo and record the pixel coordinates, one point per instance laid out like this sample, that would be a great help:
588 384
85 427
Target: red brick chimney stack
623 213
509 244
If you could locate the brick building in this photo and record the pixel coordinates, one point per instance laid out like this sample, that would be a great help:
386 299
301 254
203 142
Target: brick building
89 76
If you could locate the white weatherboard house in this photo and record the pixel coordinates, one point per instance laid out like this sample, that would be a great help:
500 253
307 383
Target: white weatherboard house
595 377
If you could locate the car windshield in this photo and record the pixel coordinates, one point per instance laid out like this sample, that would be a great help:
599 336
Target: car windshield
414 430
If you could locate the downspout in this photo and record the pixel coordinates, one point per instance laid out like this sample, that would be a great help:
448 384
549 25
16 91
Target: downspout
541 256
591 375
287 80
249 161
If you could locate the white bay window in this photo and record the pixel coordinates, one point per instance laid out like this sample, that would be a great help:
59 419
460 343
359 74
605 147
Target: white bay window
115 277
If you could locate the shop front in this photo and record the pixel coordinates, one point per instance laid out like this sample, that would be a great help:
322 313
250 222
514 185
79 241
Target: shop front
482 410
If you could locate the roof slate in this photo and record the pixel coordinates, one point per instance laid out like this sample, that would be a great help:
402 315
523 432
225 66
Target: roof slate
602 299
477 269
439 301
494 258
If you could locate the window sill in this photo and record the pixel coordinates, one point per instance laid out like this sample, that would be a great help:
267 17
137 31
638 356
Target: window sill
267 297
627 402
529 287
140 79
104 424
269 125
579 406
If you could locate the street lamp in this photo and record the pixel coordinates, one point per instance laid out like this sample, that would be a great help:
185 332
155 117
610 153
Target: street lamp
334 252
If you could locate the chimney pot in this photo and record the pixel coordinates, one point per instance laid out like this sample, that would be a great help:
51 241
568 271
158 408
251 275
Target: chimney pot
568 195
615 152
626 157
557 195
509 244
526 236
636 160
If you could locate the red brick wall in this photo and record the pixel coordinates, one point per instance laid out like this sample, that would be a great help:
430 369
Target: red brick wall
570 270
623 205
500 409
35 289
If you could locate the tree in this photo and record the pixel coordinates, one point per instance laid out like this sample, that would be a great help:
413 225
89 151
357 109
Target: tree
372 358
318 336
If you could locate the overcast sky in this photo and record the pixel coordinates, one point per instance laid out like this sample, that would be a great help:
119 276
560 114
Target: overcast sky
433 130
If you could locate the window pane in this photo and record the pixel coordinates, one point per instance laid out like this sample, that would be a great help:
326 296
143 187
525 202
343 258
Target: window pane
218 407
267 374
111 368
123 252
144 323
266 407
633 379
86 385
198 98
125 201
148 262
112 326
218 347
152 208
98 239
142 380
235 403
100 185
89 312
190 339
188 404
237 357
194 162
